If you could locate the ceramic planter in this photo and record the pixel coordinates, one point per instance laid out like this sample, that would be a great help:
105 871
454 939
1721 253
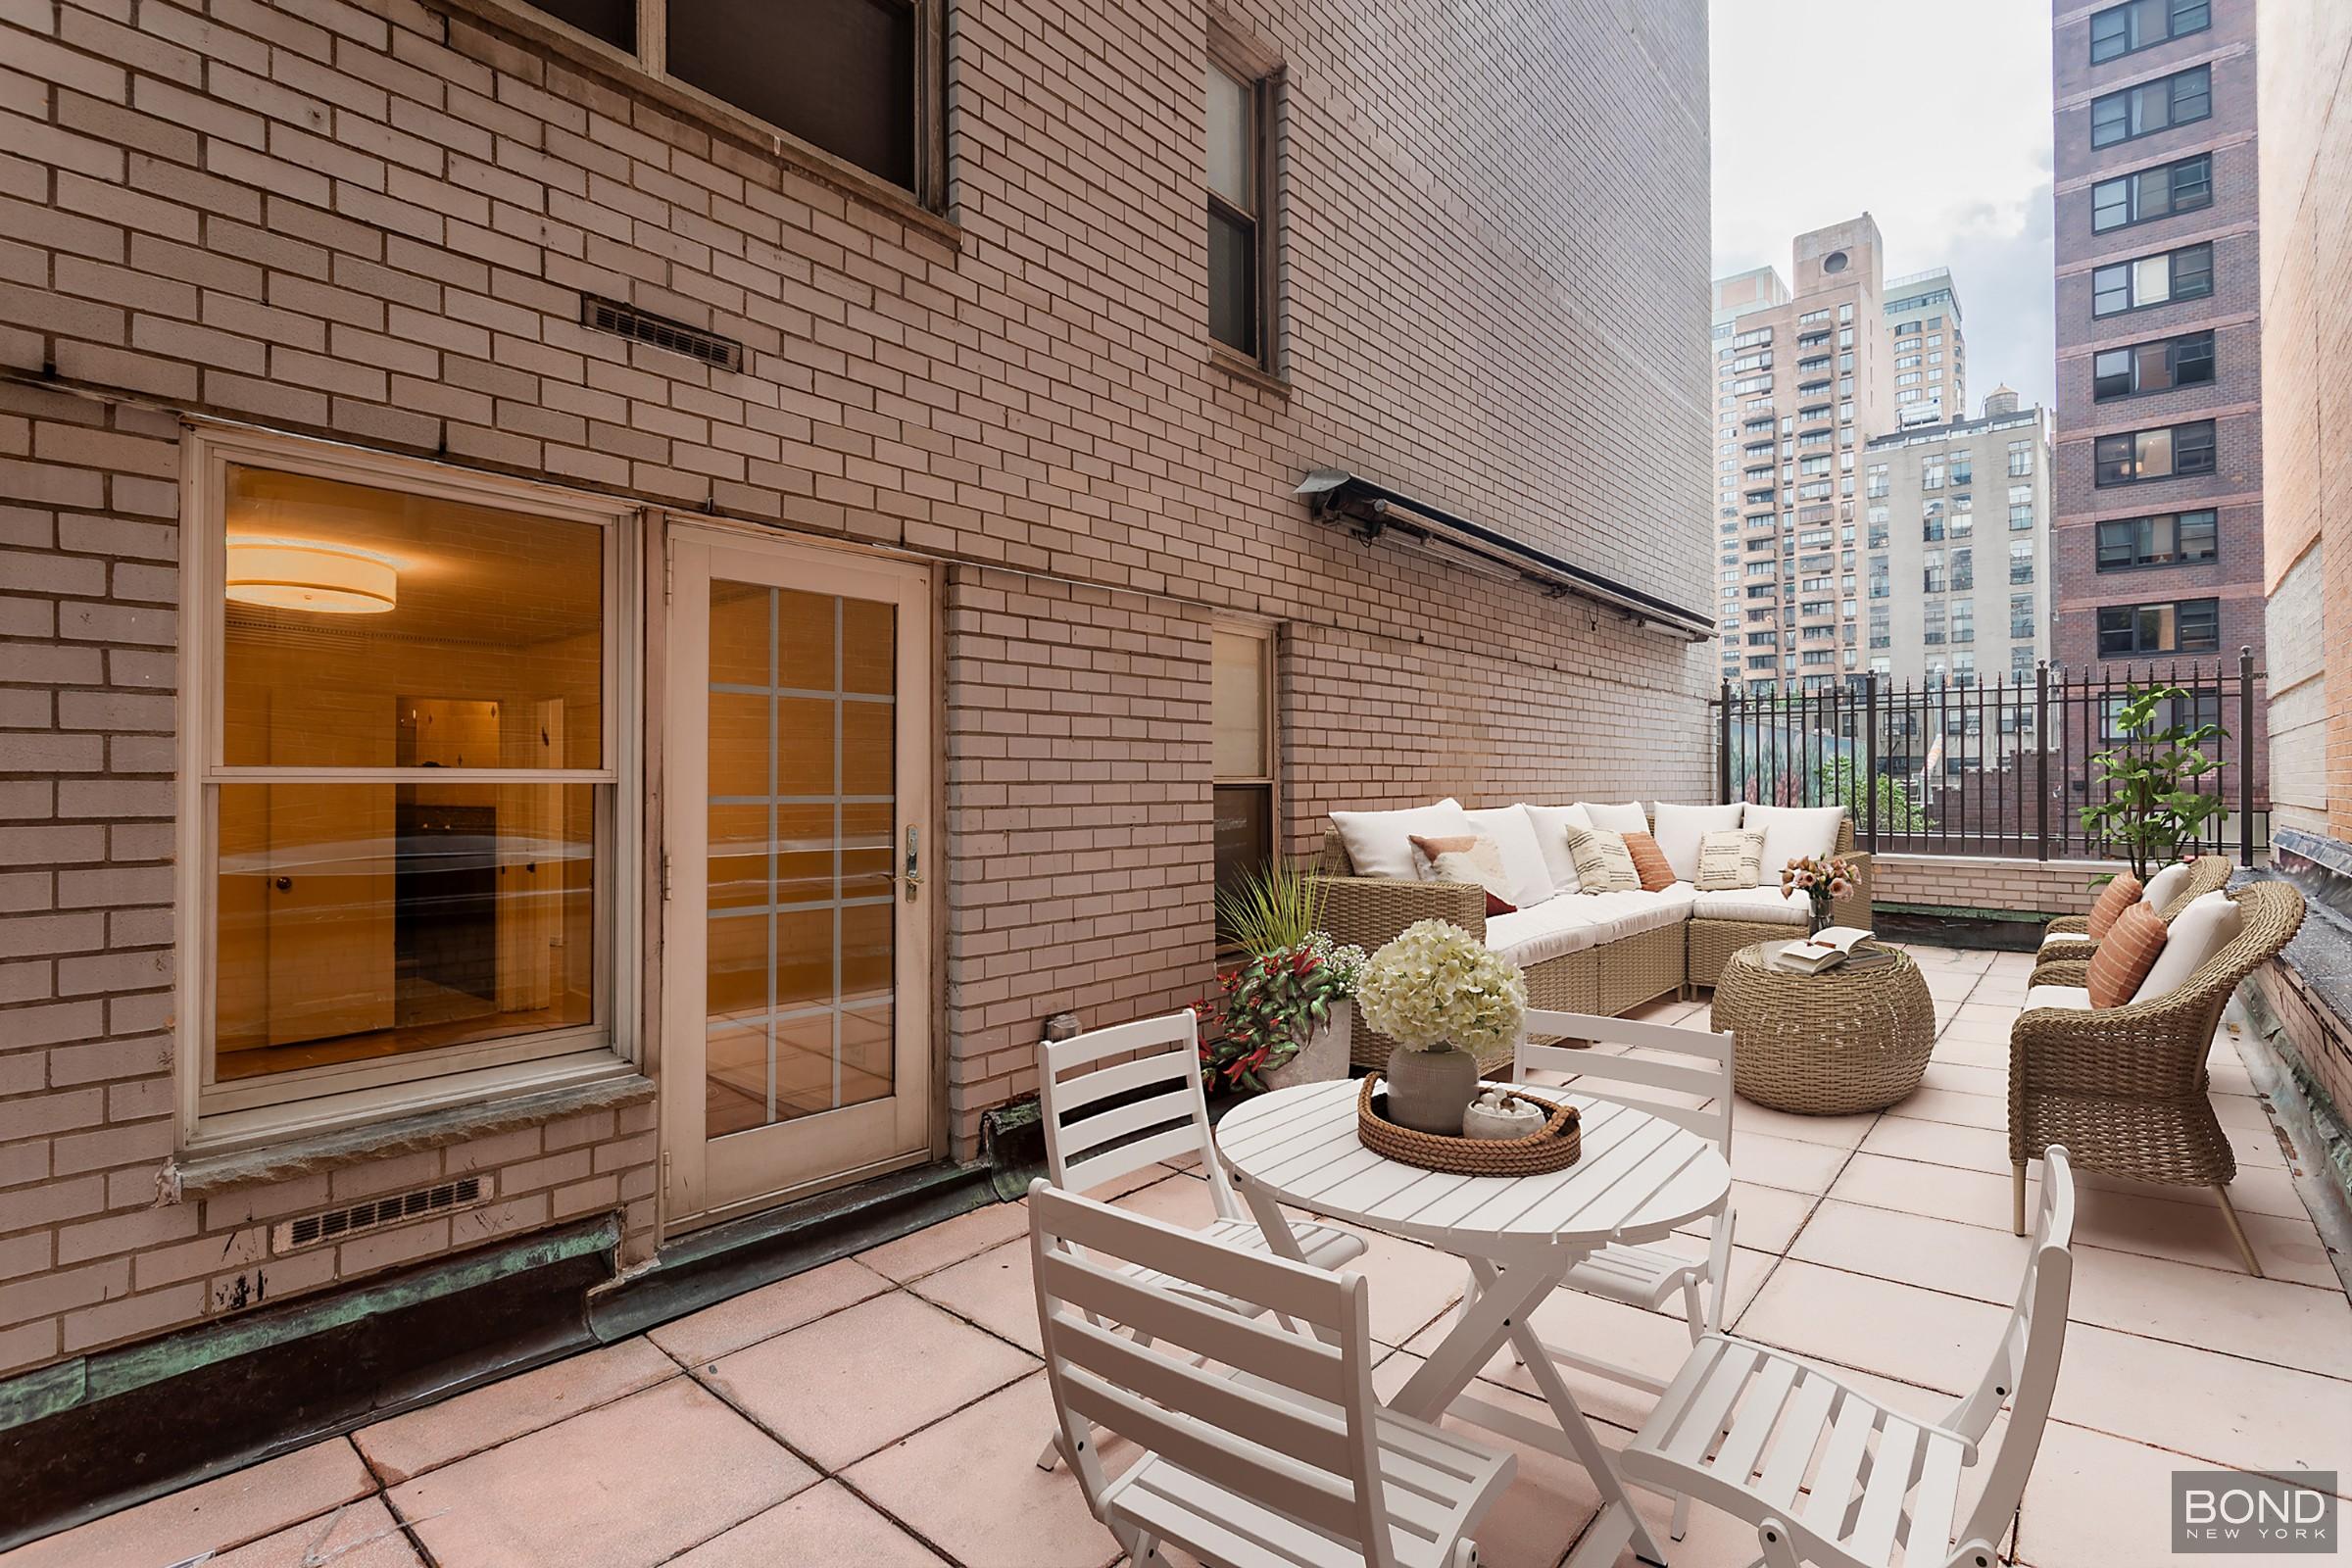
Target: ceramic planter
1326 1054
1429 1090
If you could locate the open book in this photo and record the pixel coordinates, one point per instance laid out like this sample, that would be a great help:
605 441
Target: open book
1825 949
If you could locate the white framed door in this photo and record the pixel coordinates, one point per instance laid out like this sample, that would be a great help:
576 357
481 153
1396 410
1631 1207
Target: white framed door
796 1041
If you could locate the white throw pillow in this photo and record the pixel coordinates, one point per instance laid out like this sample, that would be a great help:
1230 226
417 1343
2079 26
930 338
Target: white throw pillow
1793 833
1381 842
1551 824
2164 887
2210 923
1523 863
1730 859
1680 828
1604 864
1626 818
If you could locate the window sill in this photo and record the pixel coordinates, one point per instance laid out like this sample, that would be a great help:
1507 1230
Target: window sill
209 1173
1242 368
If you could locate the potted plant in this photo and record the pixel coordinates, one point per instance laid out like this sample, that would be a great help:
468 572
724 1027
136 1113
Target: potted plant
1822 880
1284 1016
1442 995
2153 805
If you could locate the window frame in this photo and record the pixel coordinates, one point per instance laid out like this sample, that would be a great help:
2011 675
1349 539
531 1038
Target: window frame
2137 608
2173 347
2171 433
271 1108
1268 634
2171 272
2170 83
2172 27
1262 79
2133 206
2212 517
649 66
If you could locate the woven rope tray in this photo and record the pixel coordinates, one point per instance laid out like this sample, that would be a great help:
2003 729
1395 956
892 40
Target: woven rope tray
1556 1146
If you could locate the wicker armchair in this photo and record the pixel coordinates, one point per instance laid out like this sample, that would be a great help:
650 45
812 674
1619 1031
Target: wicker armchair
2207 873
2124 1088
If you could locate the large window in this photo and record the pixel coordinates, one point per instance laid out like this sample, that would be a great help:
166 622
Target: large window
2152 106
2140 23
2134 285
1242 719
855 79
2157 366
1238 212
405 700
2152 193
2190 626
2170 539
2169 452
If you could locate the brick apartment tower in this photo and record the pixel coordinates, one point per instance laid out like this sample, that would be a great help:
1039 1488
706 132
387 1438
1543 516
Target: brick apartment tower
2158 530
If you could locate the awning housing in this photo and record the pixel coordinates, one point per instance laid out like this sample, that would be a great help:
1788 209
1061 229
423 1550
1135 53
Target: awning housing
1371 509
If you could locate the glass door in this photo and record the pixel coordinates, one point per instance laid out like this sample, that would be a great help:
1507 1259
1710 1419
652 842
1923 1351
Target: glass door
795 1047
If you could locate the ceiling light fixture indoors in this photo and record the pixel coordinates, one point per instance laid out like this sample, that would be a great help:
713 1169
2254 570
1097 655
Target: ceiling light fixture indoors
311 574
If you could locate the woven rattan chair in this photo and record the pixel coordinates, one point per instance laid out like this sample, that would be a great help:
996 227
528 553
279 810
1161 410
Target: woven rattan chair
2206 874
2124 1088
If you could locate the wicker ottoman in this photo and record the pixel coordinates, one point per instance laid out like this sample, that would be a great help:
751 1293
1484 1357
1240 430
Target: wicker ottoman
1825 1045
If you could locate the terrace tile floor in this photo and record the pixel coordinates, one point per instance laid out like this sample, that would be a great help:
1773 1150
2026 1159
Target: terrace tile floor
884 1411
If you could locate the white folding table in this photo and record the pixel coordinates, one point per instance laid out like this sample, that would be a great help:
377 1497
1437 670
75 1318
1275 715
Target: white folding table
1637 1178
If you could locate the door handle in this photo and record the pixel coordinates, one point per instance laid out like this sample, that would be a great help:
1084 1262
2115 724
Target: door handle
285 884
912 877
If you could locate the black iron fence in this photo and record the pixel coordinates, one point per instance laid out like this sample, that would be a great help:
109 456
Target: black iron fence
2000 767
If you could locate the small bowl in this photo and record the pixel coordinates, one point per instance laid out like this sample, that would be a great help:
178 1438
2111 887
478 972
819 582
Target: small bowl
1519 1120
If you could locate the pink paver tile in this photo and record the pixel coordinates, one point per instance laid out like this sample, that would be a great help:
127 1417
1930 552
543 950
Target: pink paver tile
411 1445
1768 1218
1646 1342
935 1247
2095 1501
1943 1105
1181 1200
1966 1078
2225 1308
996 1290
1938 1254
618 1487
1839 1132
1939 1143
1990 1055
772 1309
970 1485
211 1516
2248 1415
1787 1164
357 1534
1900 1331
1412 1286
826 1524
842 1385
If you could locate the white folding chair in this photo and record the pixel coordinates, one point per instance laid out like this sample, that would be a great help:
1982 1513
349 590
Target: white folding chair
1114 1101
1276 1454
1743 1427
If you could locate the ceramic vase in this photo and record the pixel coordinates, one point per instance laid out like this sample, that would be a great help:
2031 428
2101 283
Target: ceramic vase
1429 1090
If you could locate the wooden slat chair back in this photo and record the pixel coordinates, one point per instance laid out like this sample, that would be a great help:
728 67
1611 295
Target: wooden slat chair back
1745 1427
1270 1455
1114 1101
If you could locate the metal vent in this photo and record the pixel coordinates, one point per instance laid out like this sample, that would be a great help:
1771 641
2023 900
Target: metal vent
395 1208
627 321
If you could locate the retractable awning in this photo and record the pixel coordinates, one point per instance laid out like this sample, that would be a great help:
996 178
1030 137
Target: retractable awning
1371 509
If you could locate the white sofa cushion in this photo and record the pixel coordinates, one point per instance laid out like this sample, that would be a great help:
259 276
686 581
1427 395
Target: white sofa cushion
1626 914
1763 904
1524 866
1680 828
1550 930
2164 885
1381 842
1793 832
1626 818
1551 824
2210 923
2075 999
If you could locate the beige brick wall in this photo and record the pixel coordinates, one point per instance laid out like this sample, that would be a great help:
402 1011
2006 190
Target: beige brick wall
1955 882
371 220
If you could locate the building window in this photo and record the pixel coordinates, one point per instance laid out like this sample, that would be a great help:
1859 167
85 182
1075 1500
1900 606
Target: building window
2168 453
2190 626
2118 31
1932 570
2152 193
2151 107
2156 367
1236 212
406 720
2021 615
2183 275
854 79
2021 562
2021 458
2172 539
1964 568
2021 508
1242 709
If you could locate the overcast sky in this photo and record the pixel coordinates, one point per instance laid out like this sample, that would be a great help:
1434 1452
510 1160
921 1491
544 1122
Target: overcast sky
1933 116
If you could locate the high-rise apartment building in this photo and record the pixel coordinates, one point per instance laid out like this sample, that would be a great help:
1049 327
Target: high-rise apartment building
1930 357
2159 532
1955 540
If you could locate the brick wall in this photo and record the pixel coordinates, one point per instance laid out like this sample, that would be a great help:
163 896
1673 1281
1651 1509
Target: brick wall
372 220
1969 882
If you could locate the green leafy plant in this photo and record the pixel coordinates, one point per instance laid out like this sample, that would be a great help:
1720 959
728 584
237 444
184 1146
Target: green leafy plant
2153 805
1272 909
1271 1006
1898 812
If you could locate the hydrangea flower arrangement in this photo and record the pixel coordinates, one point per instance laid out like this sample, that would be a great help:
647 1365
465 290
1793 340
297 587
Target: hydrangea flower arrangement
1436 985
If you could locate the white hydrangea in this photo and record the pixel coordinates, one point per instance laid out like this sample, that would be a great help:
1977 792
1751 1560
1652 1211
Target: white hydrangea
1436 985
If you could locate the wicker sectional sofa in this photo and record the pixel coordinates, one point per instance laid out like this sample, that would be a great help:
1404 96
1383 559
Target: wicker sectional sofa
1632 947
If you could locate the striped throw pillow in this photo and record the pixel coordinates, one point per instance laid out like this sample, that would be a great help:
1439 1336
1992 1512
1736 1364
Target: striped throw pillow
1649 863
2124 956
1731 859
2113 900
1602 863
